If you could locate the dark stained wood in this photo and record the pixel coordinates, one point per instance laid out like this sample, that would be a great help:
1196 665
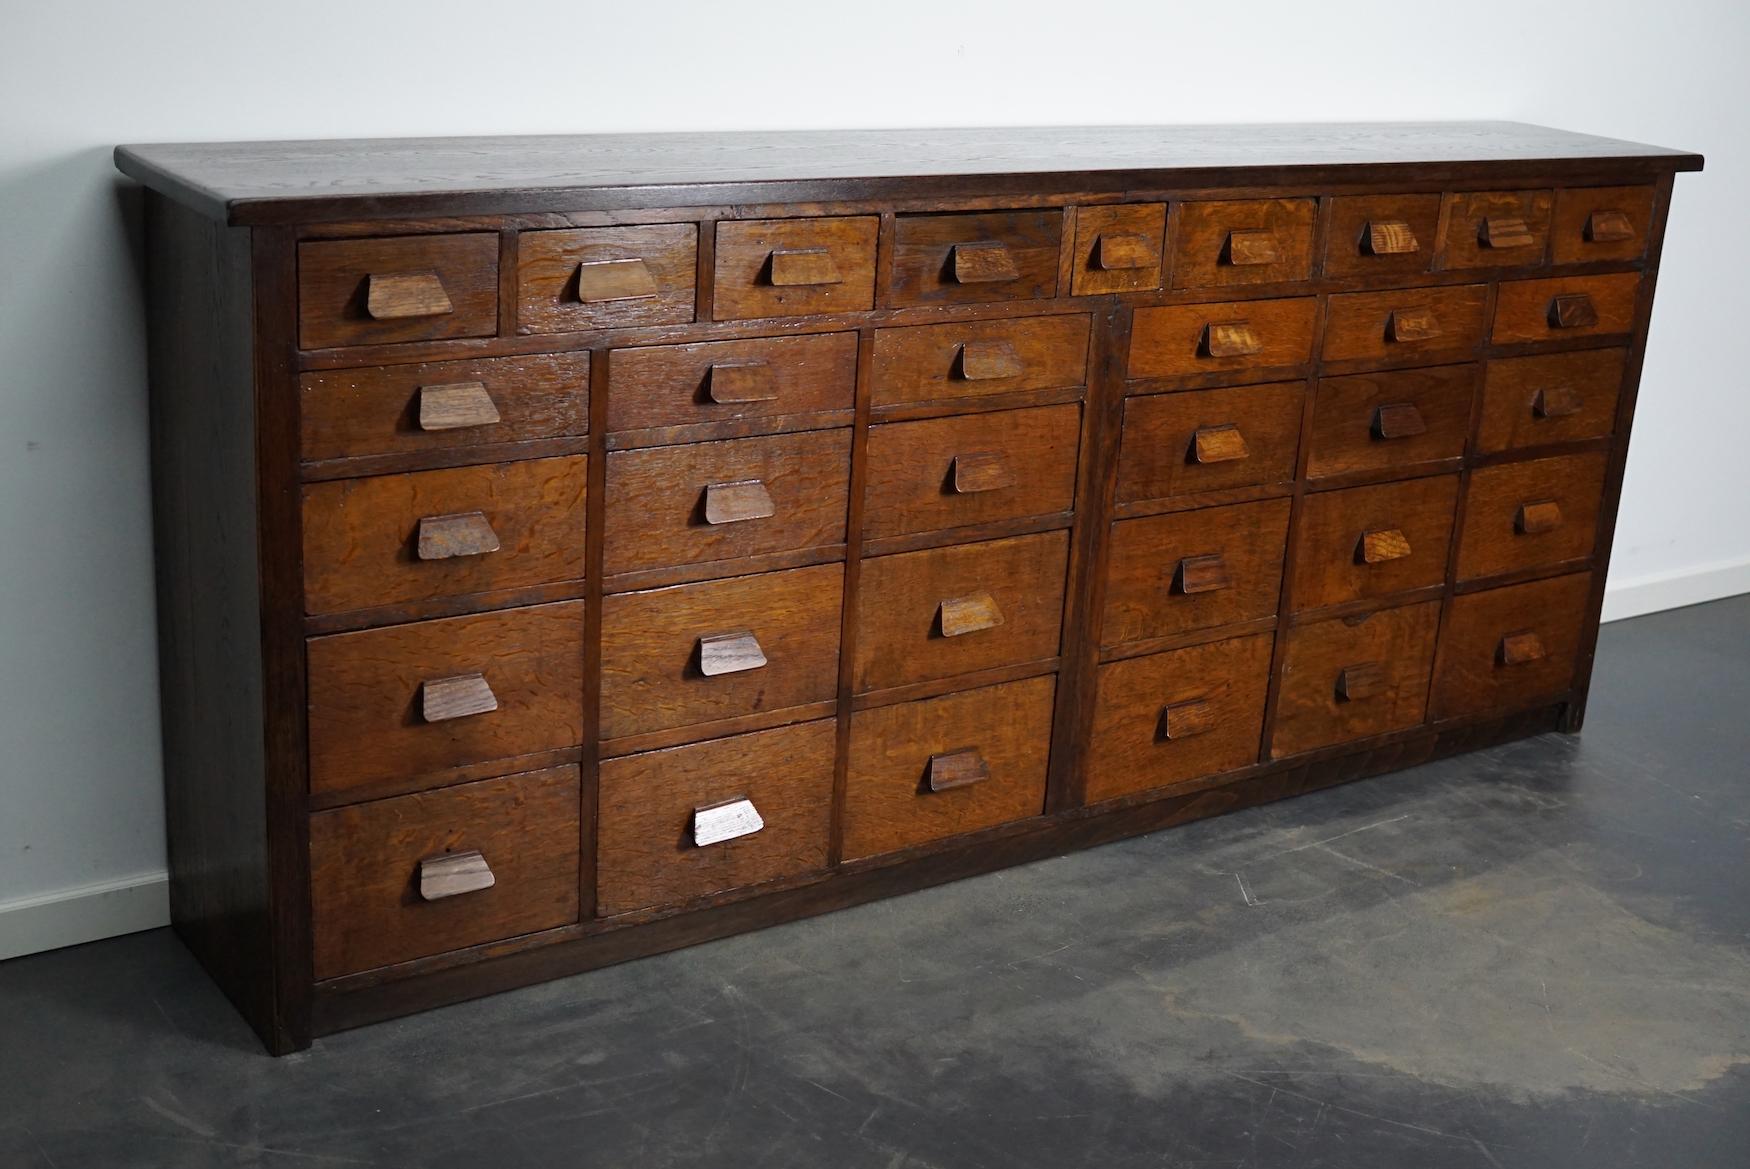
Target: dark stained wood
714 382
794 267
1531 514
1601 223
1369 542
1245 241
1170 574
1507 647
1118 248
338 304
1495 229
956 259
1195 339
1397 420
1322 701
1160 453
605 277
978 358
1378 235
1549 399
1425 325
1564 308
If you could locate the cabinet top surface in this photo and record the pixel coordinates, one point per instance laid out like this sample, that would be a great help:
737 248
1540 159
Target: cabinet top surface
306 181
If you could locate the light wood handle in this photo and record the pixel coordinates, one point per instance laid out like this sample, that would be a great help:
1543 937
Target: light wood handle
1412 324
1202 574
1218 444
442 537
452 874
951 769
1608 227
1543 515
599 281
1505 231
726 821
730 653
1120 252
1388 237
398 297
1251 247
1556 402
442 699
1229 339
983 263
737 502
976 471
988 361
741 383
969 614
1184 720
1520 649
1398 420
1361 681
456 406
1383 545
1573 310
803 267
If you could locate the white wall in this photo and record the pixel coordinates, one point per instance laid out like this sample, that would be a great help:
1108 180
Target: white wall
79 767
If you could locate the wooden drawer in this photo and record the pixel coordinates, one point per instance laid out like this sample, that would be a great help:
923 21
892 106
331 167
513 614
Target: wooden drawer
1242 241
1197 340
1170 574
719 649
949 611
1403 325
1118 248
1350 678
1551 398
722 500
1178 716
1532 514
926 363
1495 229
378 890
649 827
1565 307
1381 235
431 699
606 277
1367 542
794 267
1209 440
1601 223
970 469
922 771
1372 421
439 405
397 538
1510 647
405 288
726 381
981 256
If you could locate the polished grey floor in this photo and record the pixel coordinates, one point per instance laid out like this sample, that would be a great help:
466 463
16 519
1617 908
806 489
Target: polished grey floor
1536 956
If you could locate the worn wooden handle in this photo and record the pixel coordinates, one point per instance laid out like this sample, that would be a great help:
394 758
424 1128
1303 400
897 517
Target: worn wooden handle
442 699
983 263
1251 247
456 406
1398 420
1505 231
984 361
1608 227
976 471
1218 444
737 502
1361 681
1229 339
1556 402
1119 252
452 874
1183 720
1202 574
1412 324
397 297
605 280
730 653
1520 649
803 267
1572 310
1382 545
442 537
741 383
1543 515
726 821
960 768
1388 237
969 614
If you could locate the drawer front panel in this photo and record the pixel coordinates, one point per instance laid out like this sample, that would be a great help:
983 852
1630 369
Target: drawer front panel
1564 308
398 538
1209 440
1509 647
1601 223
664 665
1192 340
926 363
723 500
967 258
380 700
1118 248
606 277
1178 716
922 771
1421 324
1373 541
1496 229
970 469
649 816
949 611
1243 241
724 381
439 405
1372 421
1528 515
1381 235
1555 397
1170 574
406 288
376 896
1351 678
794 267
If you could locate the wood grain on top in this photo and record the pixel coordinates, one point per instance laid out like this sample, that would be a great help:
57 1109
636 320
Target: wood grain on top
287 182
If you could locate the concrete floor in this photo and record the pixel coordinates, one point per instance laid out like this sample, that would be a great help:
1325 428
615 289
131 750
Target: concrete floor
1535 956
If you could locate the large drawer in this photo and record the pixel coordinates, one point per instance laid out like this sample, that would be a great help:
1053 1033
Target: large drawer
1565 307
1374 421
973 359
1530 515
1244 337
1550 398
1370 542
727 381
1348 678
1209 440
1170 574
1504 648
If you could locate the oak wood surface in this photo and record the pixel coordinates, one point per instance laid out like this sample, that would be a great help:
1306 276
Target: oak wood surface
1331 564
928 270
1376 326
1408 226
1210 242
1601 223
722 381
929 362
1526 310
1159 454
1182 340
555 296
1550 398
1118 248
1474 238
1393 646
1350 419
1474 668
1530 514
334 281
746 284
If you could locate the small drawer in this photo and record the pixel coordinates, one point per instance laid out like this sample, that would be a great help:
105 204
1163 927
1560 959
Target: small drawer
1556 397
422 701
1528 515
1601 223
1405 325
1242 241
688 822
1118 248
1381 235
1367 542
391 539
1209 440
1352 678
399 879
923 771
406 288
723 500
970 469
928 363
439 405
1172 717
1565 307
1169 574
1495 229
727 381
794 267
1510 647
966 258
606 277
1201 340
719 649
949 611
1372 421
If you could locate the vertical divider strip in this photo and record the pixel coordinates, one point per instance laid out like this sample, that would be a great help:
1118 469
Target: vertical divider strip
851 592
594 541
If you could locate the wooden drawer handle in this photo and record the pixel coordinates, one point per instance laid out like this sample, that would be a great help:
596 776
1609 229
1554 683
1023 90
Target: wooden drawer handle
1544 515
1505 231
1251 248
1382 545
456 406
1412 324
1361 681
1398 420
1608 227
1556 402
730 653
951 769
983 263
1230 339
395 298
453 874
977 471
1519 649
1218 444
1388 237
726 821
803 267
442 699
605 280
442 537
734 503
969 614
1202 574
740 384
1572 310
1184 720
1124 252
988 361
